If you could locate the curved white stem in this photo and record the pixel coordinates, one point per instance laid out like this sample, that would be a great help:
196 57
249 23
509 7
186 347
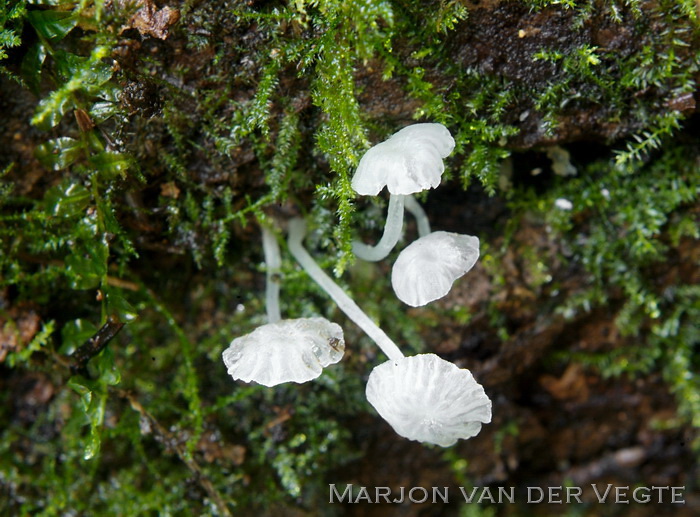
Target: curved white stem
417 211
273 264
297 230
391 235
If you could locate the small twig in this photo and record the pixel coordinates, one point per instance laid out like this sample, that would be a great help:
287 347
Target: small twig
187 459
94 345
122 284
77 362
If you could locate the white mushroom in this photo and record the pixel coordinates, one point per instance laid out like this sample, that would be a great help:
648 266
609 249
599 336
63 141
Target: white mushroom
428 399
293 350
423 397
409 161
273 263
297 231
287 351
426 269
391 235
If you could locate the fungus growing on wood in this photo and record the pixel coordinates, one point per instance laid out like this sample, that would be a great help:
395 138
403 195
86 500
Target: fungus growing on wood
409 161
426 269
390 236
293 350
297 231
423 397
273 263
428 399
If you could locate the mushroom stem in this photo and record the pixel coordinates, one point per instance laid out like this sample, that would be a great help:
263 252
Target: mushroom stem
413 206
391 235
273 264
297 230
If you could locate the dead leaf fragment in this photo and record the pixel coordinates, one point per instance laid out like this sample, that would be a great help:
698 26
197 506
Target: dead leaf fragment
571 386
17 329
213 448
151 21
83 119
169 189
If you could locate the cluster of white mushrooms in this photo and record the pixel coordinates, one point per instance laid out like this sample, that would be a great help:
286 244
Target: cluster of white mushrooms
423 397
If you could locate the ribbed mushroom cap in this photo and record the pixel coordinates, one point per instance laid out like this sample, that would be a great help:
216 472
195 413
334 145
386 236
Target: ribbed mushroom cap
426 269
409 161
287 351
428 399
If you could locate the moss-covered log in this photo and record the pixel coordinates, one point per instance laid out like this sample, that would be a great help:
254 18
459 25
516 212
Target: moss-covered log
141 147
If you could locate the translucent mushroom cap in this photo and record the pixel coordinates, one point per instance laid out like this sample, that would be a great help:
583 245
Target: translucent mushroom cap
426 269
428 399
409 161
287 351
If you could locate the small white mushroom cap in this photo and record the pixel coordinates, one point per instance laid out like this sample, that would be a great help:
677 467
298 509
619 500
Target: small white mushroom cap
294 350
409 161
426 269
428 399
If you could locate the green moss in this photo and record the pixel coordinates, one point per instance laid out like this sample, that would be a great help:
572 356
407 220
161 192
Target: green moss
11 15
631 213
